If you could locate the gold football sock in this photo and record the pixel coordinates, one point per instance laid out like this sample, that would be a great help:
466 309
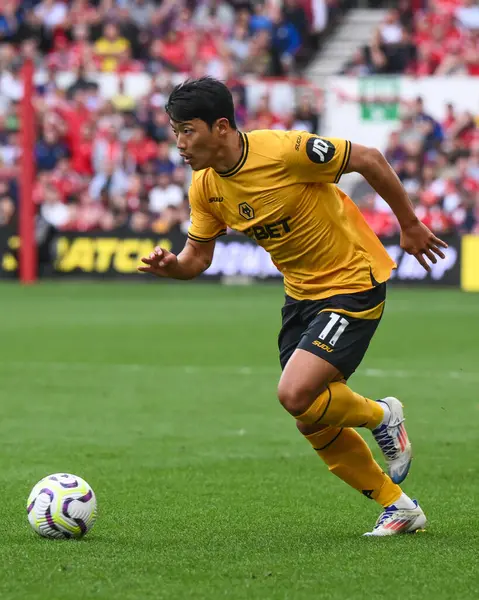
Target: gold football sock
338 405
349 458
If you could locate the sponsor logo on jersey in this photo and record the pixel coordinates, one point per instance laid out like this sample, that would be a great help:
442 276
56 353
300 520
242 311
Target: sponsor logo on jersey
319 150
298 143
269 230
216 199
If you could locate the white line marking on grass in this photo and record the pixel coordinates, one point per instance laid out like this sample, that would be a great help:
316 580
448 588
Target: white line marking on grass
404 374
240 370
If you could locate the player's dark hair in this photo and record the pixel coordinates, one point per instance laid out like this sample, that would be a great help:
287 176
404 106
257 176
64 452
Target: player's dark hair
206 98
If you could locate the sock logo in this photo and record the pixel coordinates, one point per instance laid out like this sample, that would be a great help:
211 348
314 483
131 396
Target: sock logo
368 493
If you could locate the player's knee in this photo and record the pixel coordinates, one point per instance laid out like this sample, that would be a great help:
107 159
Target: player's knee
295 399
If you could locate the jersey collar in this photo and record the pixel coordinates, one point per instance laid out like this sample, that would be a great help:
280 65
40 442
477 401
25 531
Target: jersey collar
244 155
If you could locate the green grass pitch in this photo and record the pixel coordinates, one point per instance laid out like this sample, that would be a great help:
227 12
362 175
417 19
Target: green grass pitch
163 398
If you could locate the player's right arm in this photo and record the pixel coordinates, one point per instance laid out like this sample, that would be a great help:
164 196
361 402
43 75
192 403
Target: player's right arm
195 258
197 255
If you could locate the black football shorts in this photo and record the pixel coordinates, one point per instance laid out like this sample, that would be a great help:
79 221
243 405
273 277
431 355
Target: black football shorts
337 329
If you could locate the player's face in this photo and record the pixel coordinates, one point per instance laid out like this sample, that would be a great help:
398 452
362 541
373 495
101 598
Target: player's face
197 143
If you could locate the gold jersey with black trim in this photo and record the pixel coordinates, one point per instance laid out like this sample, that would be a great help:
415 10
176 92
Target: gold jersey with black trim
283 194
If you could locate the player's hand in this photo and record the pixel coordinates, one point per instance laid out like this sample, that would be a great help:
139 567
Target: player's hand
419 241
160 262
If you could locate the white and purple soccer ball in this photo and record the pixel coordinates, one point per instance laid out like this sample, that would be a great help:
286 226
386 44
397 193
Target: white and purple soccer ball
62 506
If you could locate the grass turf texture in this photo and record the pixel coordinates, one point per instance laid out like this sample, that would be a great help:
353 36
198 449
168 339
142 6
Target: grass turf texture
163 398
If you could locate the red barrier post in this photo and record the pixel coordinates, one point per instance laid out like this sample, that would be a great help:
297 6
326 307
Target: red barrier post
28 248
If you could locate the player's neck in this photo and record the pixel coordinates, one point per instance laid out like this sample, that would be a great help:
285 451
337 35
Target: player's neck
230 154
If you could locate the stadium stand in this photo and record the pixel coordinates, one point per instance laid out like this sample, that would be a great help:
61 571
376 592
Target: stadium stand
438 163
105 161
440 38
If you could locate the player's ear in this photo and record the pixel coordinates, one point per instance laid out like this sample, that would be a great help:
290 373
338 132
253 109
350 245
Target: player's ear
222 125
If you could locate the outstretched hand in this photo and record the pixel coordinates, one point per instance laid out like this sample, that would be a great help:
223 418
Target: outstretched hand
419 241
160 262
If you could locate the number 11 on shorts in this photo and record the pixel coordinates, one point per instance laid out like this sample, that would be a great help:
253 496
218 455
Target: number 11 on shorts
333 320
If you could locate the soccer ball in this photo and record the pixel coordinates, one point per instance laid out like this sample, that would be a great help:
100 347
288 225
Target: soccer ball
62 506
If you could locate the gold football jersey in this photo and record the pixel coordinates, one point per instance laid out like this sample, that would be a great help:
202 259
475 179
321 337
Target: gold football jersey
282 194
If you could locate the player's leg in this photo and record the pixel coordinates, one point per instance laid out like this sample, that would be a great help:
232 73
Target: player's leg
333 345
348 457
312 391
305 392
332 435
342 449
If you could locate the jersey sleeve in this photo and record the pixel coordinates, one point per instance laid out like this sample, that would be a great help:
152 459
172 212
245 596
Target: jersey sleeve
204 225
310 158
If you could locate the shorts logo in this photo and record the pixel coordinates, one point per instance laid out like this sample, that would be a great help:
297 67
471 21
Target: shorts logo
322 346
320 151
246 211
216 199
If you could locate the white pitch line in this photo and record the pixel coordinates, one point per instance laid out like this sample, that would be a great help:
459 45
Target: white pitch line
240 370
403 374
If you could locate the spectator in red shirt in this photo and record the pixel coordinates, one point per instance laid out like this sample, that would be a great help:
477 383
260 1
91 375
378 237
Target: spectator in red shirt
427 62
172 51
125 63
82 151
80 48
432 214
422 33
75 113
262 117
87 214
450 119
382 223
83 12
140 148
67 181
471 53
62 58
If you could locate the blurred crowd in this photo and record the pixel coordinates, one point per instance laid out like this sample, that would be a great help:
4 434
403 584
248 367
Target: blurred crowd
430 37
215 37
438 164
105 163
109 162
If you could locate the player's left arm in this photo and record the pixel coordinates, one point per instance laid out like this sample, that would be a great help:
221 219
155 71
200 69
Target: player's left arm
416 238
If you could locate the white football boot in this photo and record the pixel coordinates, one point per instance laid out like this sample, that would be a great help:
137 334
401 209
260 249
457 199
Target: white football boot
393 440
394 521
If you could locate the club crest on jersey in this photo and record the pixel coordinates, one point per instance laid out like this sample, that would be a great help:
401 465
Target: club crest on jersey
246 211
320 150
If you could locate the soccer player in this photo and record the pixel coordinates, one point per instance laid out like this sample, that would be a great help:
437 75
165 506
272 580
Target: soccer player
279 188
